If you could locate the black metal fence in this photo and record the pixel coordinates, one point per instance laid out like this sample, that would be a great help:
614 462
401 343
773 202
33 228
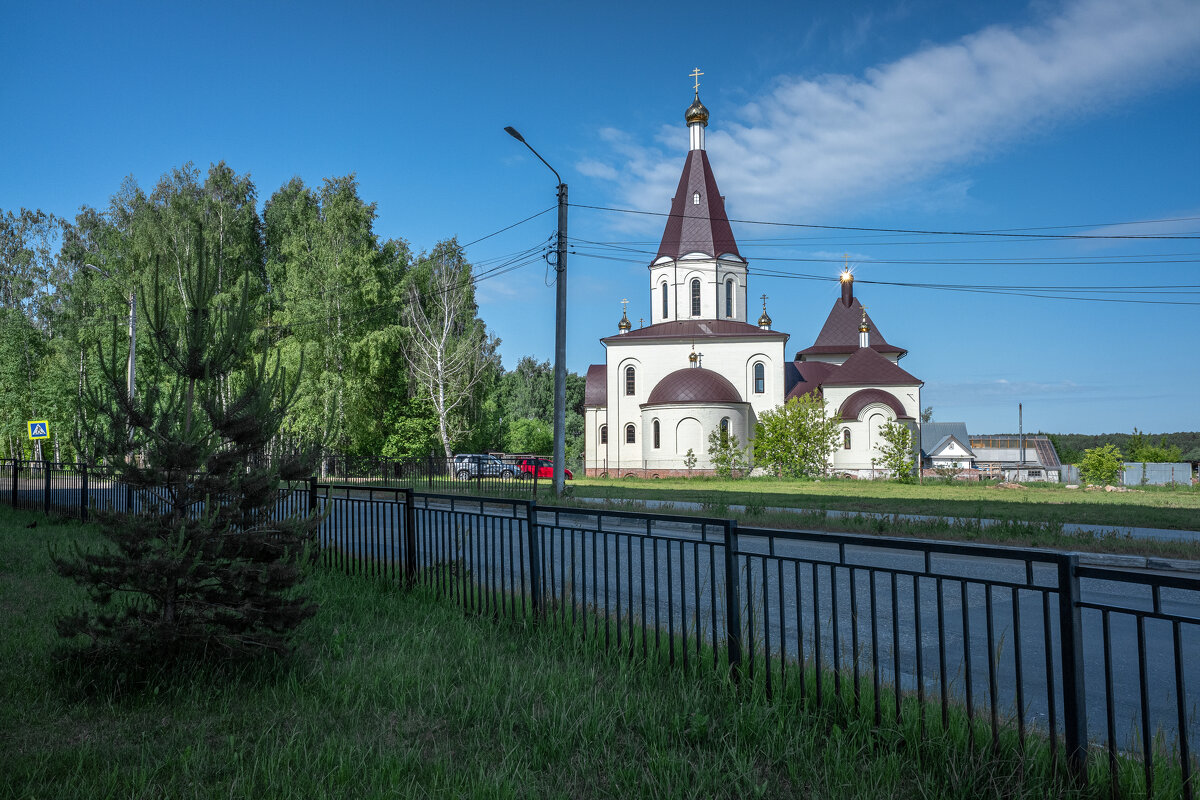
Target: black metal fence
505 476
1096 668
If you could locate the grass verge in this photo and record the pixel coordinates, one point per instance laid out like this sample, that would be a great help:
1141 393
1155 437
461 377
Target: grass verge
1152 506
397 694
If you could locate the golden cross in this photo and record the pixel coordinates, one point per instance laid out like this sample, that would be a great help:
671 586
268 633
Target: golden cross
624 305
846 261
696 73
764 299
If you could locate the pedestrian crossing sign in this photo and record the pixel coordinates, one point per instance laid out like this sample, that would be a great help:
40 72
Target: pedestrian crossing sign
39 429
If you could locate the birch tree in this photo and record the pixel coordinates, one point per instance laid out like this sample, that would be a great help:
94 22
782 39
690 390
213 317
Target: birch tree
449 352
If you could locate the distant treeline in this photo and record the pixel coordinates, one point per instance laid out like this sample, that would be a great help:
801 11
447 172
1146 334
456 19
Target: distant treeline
1070 446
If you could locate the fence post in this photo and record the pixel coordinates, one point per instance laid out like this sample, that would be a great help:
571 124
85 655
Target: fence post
535 559
46 485
429 462
1070 629
733 603
83 493
410 539
312 494
478 475
16 474
535 477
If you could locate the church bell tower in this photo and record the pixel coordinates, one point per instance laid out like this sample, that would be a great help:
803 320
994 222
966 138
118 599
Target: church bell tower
698 272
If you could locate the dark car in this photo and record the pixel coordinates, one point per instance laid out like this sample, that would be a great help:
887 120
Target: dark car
475 465
541 467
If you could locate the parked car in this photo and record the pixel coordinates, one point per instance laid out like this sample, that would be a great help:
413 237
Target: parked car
541 467
475 465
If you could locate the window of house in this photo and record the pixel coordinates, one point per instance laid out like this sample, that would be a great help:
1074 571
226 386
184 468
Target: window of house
695 198
729 297
603 434
630 381
760 378
664 300
846 439
630 434
657 440
695 297
724 426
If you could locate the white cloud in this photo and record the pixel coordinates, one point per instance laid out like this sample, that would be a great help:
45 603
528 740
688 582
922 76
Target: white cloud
814 144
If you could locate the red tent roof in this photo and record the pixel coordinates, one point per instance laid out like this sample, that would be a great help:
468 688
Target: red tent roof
697 227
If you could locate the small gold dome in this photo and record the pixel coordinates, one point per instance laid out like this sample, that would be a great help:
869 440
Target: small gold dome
624 324
696 112
764 321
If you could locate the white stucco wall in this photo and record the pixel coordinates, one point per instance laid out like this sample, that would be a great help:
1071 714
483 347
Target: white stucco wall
712 274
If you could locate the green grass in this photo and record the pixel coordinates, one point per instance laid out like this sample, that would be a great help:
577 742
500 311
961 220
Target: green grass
1151 506
398 694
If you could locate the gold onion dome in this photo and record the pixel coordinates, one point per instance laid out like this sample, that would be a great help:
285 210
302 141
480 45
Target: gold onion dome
696 112
624 324
863 327
764 320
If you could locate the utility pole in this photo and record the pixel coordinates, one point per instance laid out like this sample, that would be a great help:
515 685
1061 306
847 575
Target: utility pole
560 325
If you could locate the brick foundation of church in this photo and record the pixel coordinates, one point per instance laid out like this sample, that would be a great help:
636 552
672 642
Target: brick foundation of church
639 472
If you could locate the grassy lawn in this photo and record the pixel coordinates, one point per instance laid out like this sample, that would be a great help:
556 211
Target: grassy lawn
395 694
1151 506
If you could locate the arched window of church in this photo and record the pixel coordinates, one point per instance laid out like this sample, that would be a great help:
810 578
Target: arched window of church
657 439
664 300
845 438
630 381
724 427
603 434
695 297
729 297
630 434
760 378
695 198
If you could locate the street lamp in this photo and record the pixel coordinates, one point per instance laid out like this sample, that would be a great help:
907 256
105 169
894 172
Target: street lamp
560 325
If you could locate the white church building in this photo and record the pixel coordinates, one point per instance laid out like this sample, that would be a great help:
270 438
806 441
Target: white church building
702 365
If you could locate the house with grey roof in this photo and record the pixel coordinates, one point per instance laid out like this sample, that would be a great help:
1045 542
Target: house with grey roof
1013 457
946 445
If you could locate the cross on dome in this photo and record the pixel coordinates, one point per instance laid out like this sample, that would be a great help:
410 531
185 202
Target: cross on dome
696 73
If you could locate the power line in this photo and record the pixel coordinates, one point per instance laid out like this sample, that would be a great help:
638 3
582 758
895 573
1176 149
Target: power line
1001 233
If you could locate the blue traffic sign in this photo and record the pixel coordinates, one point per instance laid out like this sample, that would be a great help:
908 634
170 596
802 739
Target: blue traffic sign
39 429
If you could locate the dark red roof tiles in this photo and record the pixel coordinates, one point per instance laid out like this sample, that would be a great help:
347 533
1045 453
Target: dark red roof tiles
806 376
595 390
853 405
868 368
693 385
697 227
840 332
695 329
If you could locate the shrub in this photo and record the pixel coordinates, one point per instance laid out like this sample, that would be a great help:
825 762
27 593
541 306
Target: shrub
1101 464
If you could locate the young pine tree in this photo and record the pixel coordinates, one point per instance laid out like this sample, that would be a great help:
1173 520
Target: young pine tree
205 568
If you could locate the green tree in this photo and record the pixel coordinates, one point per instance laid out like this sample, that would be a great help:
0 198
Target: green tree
1145 451
1101 464
796 439
896 451
449 351
206 571
726 453
529 436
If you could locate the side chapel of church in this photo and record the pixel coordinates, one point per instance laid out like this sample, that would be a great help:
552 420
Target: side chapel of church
701 365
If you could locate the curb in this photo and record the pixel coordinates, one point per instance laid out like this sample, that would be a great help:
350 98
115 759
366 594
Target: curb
1139 562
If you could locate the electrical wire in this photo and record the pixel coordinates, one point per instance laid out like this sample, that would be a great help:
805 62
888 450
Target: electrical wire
1001 233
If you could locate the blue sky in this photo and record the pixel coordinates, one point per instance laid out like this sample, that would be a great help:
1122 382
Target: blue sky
910 115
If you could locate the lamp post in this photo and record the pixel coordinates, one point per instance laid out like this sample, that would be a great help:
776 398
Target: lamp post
560 324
